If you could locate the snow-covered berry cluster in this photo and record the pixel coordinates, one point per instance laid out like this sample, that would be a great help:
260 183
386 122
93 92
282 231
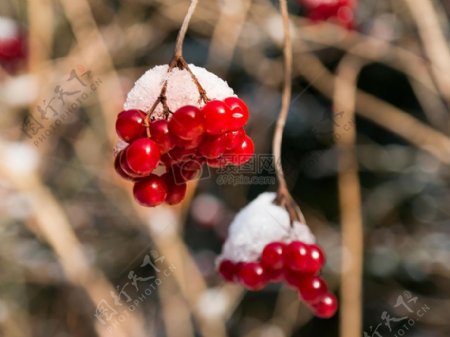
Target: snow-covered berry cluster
263 247
178 143
340 11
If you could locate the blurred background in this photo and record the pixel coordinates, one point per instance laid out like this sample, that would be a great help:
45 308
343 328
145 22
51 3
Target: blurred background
78 257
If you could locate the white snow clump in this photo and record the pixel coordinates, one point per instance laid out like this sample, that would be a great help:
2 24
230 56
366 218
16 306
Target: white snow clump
259 223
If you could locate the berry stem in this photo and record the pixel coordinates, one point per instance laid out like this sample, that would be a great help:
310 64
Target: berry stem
179 62
284 198
183 29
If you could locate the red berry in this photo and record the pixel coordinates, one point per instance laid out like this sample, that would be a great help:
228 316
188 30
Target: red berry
187 123
242 153
159 131
316 259
213 146
326 306
179 154
119 169
252 276
234 138
189 144
166 160
274 275
296 256
181 174
312 288
175 191
218 162
130 124
143 156
272 256
124 166
192 164
239 112
217 117
292 277
151 191
228 270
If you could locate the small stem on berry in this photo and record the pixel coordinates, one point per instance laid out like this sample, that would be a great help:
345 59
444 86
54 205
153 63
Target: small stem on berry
183 29
284 197
201 90
179 62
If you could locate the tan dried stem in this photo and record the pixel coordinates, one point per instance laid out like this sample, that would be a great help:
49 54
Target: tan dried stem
384 114
96 57
434 42
183 29
284 197
52 225
344 100
178 62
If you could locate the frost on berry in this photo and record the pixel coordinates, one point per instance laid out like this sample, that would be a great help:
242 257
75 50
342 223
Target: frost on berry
258 224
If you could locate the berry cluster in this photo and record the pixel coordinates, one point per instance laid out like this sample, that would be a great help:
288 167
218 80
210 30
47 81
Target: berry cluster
340 11
193 136
297 264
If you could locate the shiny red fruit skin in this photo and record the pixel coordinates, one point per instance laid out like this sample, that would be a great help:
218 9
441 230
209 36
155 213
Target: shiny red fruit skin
175 191
316 259
272 256
312 288
187 123
217 117
242 153
234 138
219 162
292 277
252 276
130 124
228 270
143 156
179 154
274 276
181 174
213 146
239 112
159 131
326 306
192 164
124 166
119 169
297 256
150 191
189 144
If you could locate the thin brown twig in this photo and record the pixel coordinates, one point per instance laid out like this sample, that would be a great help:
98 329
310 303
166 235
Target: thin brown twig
284 198
184 27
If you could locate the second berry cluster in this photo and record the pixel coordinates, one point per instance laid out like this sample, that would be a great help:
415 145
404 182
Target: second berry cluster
180 145
297 264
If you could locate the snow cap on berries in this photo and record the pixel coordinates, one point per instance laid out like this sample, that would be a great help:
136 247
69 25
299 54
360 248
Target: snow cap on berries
181 89
259 223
